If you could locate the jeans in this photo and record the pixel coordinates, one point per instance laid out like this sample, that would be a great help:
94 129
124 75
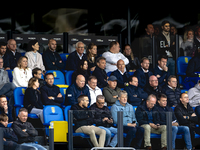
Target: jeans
186 133
36 146
132 132
110 130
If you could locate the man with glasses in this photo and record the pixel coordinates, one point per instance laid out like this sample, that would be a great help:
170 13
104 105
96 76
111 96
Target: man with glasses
74 57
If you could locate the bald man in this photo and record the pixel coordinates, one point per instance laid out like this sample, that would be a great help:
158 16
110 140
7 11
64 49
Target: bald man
51 59
121 74
75 90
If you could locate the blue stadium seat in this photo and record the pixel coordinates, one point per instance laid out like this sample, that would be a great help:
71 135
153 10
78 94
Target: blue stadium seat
108 74
10 74
58 76
63 92
68 77
64 58
131 73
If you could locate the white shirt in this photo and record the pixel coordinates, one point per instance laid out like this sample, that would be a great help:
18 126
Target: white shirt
94 93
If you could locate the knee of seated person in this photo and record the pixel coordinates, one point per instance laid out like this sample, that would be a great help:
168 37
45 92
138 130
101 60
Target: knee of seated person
103 131
164 127
186 128
174 128
147 127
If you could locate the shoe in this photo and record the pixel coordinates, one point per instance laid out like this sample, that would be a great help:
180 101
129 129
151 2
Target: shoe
148 148
164 148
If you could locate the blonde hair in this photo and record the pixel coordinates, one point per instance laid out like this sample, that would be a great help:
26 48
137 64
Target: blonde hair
20 60
32 81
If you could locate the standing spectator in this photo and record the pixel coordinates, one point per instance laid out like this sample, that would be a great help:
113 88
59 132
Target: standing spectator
74 57
135 94
51 93
143 73
100 73
130 124
148 117
25 131
37 72
51 59
112 56
32 99
93 89
111 91
3 56
194 95
92 56
34 58
5 108
21 73
12 54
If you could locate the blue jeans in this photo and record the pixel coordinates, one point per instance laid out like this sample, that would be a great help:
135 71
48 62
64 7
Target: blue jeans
186 133
110 130
34 145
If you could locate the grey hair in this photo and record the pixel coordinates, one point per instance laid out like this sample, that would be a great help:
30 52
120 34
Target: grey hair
79 43
151 96
122 93
100 97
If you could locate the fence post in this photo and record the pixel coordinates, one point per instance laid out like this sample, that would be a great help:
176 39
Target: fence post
70 130
169 129
120 137
65 42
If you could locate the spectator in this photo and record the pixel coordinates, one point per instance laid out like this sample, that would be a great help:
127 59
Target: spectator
121 74
112 56
92 56
51 59
194 95
51 93
6 87
75 90
83 122
37 72
134 62
5 108
21 73
197 37
100 73
148 117
103 119
3 56
161 71
176 129
12 55
166 46
135 94
130 125
74 57
143 73
32 99
186 116
172 91
25 131
111 91
34 58
93 89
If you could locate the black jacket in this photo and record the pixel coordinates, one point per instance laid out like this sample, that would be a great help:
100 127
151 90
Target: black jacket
181 111
12 63
82 116
121 79
164 75
101 76
150 90
193 66
24 137
10 118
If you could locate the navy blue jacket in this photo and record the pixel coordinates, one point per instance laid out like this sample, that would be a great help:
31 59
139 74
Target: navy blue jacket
121 79
164 75
135 95
101 76
139 73
73 61
73 92
12 63
193 66
10 118
150 90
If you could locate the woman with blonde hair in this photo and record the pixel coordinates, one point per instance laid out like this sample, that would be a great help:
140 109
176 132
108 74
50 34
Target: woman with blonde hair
21 73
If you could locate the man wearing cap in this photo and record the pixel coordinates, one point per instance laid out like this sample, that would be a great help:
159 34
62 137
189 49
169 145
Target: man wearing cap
111 91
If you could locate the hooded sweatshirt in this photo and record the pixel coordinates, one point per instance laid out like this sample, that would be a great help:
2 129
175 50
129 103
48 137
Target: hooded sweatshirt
194 96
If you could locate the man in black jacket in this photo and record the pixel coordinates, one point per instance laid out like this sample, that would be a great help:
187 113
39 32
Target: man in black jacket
25 131
83 121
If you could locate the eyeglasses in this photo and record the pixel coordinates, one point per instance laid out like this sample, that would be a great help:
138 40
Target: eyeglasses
101 103
154 80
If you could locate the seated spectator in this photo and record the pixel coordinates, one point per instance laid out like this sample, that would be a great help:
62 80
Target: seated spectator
112 56
111 91
121 74
32 99
130 125
37 72
83 122
5 108
135 94
34 58
161 71
103 119
148 117
143 73
100 73
3 56
93 89
172 91
6 87
194 95
186 116
21 73
12 55
176 129
25 131
75 90
51 93
83 70
92 56
51 58
74 57
153 87
134 62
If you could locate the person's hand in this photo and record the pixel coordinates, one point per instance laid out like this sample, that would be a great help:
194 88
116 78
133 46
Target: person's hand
7 68
5 107
110 121
104 119
131 124
193 115
53 63
4 139
158 76
175 124
24 130
60 61
153 125
59 95
165 68
51 97
115 96
158 126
